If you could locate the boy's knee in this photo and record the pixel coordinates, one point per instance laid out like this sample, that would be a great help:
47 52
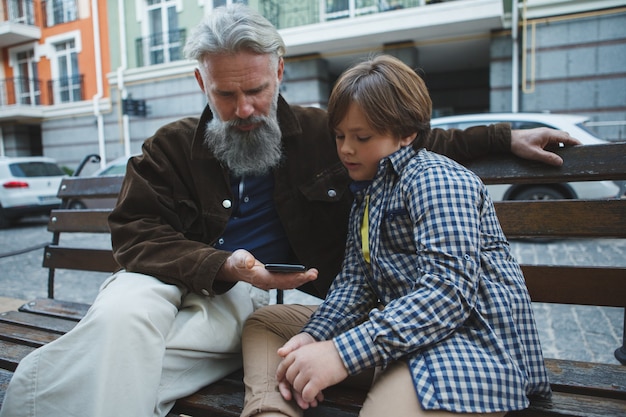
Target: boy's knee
281 319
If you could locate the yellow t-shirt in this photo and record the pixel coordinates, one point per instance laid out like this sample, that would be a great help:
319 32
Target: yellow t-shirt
365 238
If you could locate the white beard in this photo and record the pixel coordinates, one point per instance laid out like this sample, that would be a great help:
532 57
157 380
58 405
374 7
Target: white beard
253 152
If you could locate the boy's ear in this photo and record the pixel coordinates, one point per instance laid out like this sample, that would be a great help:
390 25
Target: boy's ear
406 141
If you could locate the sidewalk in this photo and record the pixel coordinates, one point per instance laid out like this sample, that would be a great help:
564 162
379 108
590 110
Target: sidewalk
8 304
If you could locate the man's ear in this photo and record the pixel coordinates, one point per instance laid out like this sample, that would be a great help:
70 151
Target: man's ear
199 80
281 69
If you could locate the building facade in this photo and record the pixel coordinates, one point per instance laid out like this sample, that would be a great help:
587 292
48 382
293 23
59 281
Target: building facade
562 56
53 64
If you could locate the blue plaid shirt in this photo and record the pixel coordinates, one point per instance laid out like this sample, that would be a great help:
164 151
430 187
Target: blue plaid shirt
456 308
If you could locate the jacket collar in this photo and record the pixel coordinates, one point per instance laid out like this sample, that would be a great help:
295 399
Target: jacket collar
289 127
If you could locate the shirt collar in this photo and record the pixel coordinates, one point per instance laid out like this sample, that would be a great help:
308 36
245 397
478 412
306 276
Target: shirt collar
396 161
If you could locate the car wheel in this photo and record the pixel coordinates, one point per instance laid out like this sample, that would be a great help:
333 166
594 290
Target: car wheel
77 205
540 193
4 220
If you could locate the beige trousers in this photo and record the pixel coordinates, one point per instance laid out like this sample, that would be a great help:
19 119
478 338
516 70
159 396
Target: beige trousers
391 392
142 345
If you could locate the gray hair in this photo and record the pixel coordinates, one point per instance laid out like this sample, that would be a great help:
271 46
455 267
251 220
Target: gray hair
232 29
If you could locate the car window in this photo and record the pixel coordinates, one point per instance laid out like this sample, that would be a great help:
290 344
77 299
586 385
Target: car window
114 170
524 124
35 169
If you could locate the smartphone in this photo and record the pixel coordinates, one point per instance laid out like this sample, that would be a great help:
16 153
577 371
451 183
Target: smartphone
285 268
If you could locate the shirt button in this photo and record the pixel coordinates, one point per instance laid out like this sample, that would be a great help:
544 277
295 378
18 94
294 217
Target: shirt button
205 293
246 199
226 204
332 193
220 241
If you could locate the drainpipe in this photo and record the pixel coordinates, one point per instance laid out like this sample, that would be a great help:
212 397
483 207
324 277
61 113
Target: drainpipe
120 77
514 58
95 16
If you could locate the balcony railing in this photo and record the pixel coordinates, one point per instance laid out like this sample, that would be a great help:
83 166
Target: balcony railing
20 91
55 12
27 91
19 11
160 48
291 14
66 89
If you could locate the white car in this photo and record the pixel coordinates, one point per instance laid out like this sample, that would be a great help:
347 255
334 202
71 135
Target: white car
28 186
573 124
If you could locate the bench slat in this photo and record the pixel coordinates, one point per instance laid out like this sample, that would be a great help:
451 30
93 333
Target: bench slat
559 218
573 405
576 285
11 354
48 323
56 308
79 221
581 163
26 335
85 259
574 377
90 187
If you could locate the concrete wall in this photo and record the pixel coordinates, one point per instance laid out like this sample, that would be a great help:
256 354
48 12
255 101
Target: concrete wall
579 68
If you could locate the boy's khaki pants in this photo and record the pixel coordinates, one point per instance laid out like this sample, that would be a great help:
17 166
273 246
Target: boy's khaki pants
391 392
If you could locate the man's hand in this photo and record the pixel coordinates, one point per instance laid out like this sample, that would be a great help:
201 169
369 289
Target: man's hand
307 368
242 266
531 144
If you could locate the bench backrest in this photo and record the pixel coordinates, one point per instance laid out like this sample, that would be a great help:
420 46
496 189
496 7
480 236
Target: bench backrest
83 220
580 284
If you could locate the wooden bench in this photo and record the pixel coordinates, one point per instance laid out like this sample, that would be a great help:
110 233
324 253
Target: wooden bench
580 388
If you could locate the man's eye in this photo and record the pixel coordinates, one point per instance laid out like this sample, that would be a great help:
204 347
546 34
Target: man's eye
339 137
363 138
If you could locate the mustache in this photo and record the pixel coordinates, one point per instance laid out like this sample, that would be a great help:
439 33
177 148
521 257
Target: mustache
252 120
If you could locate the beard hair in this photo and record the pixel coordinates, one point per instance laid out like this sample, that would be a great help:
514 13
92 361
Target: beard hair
253 152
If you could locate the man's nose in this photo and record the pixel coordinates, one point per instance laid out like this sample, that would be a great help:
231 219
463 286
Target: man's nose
245 108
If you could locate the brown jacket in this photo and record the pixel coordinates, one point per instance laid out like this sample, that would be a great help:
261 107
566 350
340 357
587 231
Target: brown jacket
170 210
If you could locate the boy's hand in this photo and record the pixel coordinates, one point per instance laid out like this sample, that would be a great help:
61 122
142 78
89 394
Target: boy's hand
308 369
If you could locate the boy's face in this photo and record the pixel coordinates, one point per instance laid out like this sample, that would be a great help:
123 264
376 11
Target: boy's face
360 147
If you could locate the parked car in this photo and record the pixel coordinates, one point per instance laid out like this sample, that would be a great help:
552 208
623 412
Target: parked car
29 187
573 124
115 167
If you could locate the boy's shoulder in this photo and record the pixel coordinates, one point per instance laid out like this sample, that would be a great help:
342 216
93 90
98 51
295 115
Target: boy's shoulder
424 161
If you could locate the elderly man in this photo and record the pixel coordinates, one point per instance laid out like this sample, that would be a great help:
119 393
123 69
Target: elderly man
207 204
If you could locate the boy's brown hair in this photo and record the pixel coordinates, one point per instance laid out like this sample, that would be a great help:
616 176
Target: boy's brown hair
393 98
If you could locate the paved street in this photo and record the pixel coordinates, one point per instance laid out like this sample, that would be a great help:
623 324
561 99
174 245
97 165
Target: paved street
568 332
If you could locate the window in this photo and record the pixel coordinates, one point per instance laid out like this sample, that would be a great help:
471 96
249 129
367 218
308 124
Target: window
68 85
27 89
21 11
60 11
35 169
218 3
165 42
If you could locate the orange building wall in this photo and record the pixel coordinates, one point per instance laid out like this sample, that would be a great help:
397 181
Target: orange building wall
86 57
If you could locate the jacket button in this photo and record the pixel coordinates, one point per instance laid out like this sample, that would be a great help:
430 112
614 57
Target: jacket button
332 193
226 204
205 293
